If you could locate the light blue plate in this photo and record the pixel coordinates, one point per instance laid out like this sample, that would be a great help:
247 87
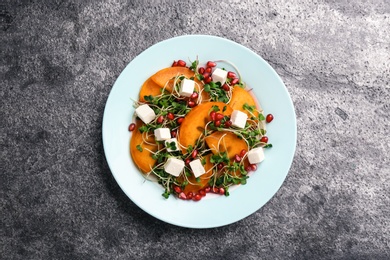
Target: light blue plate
212 211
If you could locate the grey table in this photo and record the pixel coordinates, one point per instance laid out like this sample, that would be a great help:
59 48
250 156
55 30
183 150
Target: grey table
59 60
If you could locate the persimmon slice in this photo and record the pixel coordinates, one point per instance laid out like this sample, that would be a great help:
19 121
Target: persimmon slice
161 77
241 96
228 142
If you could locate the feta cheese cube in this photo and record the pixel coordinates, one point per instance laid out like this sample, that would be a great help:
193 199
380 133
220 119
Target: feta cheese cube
168 144
145 113
256 155
239 118
219 75
197 168
162 134
186 87
174 166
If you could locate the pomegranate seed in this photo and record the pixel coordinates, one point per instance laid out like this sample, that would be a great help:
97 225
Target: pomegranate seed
191 103
202 193
264 139
180 120
201 70
207 79
225 87
218 116
221 191
187 161
248 168
131 127
269 118
211 64
181 63
190 195
217 123
209 70
237 158
231 75
177 189
194 95
173 134
197 197
234 81
215 189
174 64
170 116
205 75
207 189
160 120
243 152
194 154
182 196
253 167
220 166
228 123
212 115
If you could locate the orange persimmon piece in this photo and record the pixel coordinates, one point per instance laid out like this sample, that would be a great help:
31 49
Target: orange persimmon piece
149 88
161 77
193 185
195 121
241 96
143 160
228 142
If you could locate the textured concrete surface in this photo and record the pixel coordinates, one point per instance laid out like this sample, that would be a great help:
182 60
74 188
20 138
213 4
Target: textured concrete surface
59 60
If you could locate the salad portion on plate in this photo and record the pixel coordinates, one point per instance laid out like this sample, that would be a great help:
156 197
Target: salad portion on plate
198 129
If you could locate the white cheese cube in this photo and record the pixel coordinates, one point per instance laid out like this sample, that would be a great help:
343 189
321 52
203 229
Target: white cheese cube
174 166
170 141
256 155
145 113
219 75
162 134
197 168
187 87
238 118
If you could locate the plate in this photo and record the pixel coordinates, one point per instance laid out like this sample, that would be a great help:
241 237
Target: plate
211 211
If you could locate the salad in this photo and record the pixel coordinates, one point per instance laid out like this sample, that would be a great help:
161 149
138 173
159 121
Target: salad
197 129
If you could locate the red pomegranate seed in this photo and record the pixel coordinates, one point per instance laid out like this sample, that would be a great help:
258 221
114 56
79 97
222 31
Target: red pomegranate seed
174 64
215 189
220 166
228 123
231 75
182 196
209 70
218 116
177 189
248 168
253 167
237 158
202 193
217 123
187 161
225 87
207 189
181 63
197 197
205 75
212 115
211 64
190 195
170 116
264 139
131 127
194 154
201 70
191 103
194 95
207 80
180 120
160 120
234 81
173 134
269 118
243 152
221 191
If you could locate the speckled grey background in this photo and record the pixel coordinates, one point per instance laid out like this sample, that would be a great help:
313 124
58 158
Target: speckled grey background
59 60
